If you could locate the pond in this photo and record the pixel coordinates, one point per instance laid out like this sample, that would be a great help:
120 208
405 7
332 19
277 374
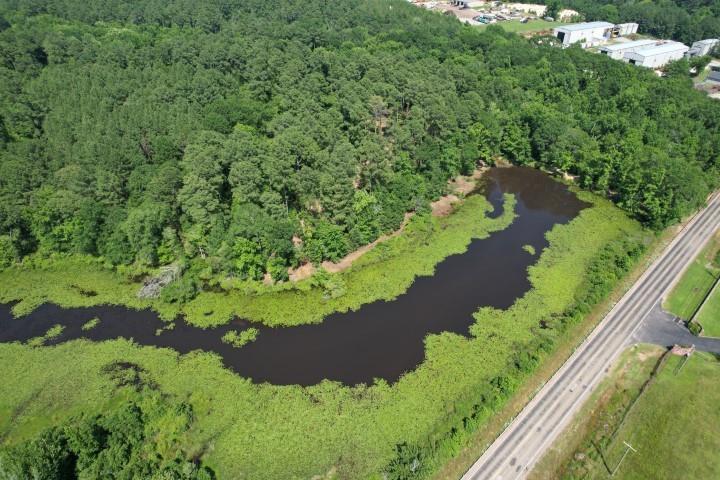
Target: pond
381 339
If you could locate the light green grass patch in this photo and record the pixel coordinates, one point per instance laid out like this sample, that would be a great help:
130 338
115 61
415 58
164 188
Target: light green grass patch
709 316
90 324
52 332
72 281
531 26
673 427
695 283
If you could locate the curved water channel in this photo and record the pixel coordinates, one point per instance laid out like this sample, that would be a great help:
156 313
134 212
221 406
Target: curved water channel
381 339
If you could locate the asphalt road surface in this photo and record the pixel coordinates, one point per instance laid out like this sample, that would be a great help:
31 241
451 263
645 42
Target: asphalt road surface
665 329
526 439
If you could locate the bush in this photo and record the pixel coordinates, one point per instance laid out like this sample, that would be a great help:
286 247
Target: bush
8 252
124 441
328 242
238 339
695 328
180 291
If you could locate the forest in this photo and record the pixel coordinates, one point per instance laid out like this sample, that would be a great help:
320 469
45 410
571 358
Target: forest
684 20
251 136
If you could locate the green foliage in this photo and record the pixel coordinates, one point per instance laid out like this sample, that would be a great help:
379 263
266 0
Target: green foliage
333 286
238 339
8 251
546 312
149 136
249 261
432 410
326 243
136 439
365 219
553 8
695 328
699 64
277 269
54 331
169 248
180 291
381 274
90 324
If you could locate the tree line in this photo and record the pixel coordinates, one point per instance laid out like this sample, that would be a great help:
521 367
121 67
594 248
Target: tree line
252 136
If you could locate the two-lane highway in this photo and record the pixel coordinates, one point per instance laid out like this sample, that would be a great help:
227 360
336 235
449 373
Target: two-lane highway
523 442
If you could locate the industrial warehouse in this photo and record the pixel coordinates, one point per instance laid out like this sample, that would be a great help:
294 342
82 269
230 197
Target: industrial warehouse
611 40
592 34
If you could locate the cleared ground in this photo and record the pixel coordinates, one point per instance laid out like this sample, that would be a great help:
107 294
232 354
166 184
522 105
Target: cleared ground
530 26
672 425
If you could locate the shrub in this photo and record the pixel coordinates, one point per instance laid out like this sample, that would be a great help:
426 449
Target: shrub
238 339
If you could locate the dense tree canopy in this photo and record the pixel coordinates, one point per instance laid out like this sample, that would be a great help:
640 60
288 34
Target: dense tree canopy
256 134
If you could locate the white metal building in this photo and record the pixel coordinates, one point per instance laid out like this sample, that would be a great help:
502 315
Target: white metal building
703 47
624 29
617 51
657 56
587 34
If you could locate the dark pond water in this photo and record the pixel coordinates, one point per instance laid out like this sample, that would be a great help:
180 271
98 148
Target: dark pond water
381 339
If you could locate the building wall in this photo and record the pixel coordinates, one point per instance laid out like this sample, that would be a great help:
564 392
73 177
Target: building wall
619 53
574 36
654 61
615 54
702 47
627 28
714 75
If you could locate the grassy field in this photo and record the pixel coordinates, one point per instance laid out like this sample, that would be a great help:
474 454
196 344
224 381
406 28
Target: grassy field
709 316
244 430
530 26
672 425
576 453
695 284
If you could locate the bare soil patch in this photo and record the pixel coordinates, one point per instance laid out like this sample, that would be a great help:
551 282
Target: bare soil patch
302 272
459 186
444 205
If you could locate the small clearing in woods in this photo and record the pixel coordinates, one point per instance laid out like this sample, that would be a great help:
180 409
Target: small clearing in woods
460 185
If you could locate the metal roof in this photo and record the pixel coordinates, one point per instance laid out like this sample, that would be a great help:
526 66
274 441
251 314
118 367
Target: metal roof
615 47
660 49
574 27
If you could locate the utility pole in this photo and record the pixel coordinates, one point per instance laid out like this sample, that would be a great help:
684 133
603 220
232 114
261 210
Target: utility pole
629 447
